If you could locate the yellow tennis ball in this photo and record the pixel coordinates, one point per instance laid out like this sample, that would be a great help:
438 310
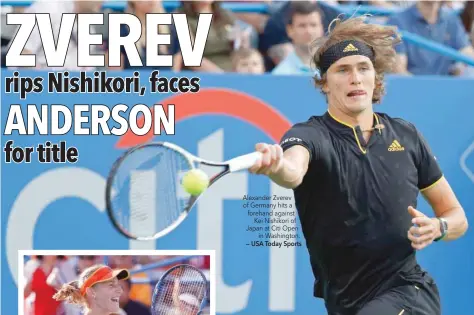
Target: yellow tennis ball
195 181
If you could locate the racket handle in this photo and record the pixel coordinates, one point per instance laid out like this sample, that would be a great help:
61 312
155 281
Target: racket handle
244 162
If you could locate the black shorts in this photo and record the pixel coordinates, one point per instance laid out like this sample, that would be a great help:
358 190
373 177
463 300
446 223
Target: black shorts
405 294
420 298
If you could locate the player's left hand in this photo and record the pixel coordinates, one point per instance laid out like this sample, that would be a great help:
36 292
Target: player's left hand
425 231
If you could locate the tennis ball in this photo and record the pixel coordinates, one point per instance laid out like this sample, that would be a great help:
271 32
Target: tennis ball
195 181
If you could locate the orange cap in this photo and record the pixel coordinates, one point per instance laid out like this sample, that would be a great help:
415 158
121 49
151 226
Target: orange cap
104 274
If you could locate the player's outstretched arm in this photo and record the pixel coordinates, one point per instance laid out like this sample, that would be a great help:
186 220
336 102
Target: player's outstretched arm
286 169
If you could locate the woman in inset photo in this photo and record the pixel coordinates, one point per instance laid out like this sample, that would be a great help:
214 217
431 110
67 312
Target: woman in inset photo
97 290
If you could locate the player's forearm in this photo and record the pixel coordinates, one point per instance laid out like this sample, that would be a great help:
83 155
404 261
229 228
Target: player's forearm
457 223
289 175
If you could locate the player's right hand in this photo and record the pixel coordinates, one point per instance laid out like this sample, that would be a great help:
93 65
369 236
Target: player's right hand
271 161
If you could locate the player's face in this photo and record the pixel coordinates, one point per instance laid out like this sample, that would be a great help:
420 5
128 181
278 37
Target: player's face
350 84
107 295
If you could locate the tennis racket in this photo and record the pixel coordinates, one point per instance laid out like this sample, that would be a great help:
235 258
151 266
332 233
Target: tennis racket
183 289
144 196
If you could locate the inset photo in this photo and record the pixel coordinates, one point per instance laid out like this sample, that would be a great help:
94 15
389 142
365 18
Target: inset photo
116 282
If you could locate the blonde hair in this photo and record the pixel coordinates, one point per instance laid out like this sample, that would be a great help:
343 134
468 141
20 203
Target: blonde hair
71 291
381 38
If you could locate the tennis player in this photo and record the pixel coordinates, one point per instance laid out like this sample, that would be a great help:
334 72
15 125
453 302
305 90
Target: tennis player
356 175
98 290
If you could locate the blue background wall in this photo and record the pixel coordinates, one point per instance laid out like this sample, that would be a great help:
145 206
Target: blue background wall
66 209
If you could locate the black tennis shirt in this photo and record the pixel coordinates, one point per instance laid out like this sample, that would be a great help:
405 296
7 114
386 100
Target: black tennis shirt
353 202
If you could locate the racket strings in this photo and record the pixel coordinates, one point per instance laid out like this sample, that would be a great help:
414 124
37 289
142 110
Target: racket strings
170 200
150 196
180 292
